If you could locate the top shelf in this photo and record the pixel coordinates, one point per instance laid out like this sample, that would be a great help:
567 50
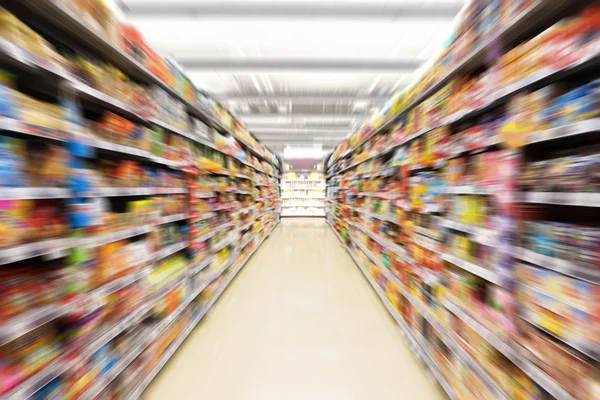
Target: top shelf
540 14
54 14
56 17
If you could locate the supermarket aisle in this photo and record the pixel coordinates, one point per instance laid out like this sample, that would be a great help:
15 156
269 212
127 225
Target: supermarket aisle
299 322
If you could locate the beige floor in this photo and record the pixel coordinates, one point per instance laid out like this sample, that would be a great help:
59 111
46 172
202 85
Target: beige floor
298 322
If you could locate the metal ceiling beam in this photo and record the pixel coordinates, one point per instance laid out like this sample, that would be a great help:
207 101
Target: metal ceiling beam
302 115
279 139
298 64
298 97
321 126
304 132
299 9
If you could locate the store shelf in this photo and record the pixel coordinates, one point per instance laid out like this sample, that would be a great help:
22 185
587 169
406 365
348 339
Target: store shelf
225 207
206 236
170 128
463 355
558 265
63 364
458 351
203 216
247 241
470 189
541 378
90 94
383 217
380 195
566 132
106 379
536 79
482 272
60 25
95 241
169 250
101 384
473 130
66 363
418 346
127 151
428 243
204 195
581 346
246 226
389 275
52 248
336 233
245 210
479 234
397 250
58 16
167 219
139 389
534 18
130 191
224 243
30 320
500 97
429 233
33 193
563 198
62 19
54 13
225 226
14 126
11 54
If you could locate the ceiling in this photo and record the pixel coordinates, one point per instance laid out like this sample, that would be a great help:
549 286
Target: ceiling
298 73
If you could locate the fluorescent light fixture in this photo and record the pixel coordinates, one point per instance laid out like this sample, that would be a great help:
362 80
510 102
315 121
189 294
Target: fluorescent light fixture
295 131
360 104
316 152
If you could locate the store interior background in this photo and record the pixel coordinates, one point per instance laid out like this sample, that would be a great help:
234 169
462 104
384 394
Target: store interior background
429 222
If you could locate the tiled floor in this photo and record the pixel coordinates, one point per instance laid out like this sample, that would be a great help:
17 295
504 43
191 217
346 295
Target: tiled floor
300 321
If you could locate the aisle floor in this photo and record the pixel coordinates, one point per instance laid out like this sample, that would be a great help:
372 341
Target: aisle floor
300 321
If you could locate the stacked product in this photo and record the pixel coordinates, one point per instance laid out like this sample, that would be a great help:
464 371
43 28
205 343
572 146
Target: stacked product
303 194
124 215
470 203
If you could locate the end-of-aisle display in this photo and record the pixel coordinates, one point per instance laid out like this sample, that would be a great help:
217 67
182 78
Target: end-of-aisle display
303 194
470 202
129 200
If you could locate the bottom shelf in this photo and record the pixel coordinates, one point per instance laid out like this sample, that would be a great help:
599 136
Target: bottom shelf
139 389
415 340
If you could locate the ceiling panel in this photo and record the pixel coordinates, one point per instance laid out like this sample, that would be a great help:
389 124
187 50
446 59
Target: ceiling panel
298 106
290 38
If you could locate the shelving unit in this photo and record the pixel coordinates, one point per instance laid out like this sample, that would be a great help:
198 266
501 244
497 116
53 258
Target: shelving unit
151 208
303 194
452 203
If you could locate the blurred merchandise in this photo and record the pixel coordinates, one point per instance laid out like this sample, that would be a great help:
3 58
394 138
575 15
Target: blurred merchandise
470 203
123 196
